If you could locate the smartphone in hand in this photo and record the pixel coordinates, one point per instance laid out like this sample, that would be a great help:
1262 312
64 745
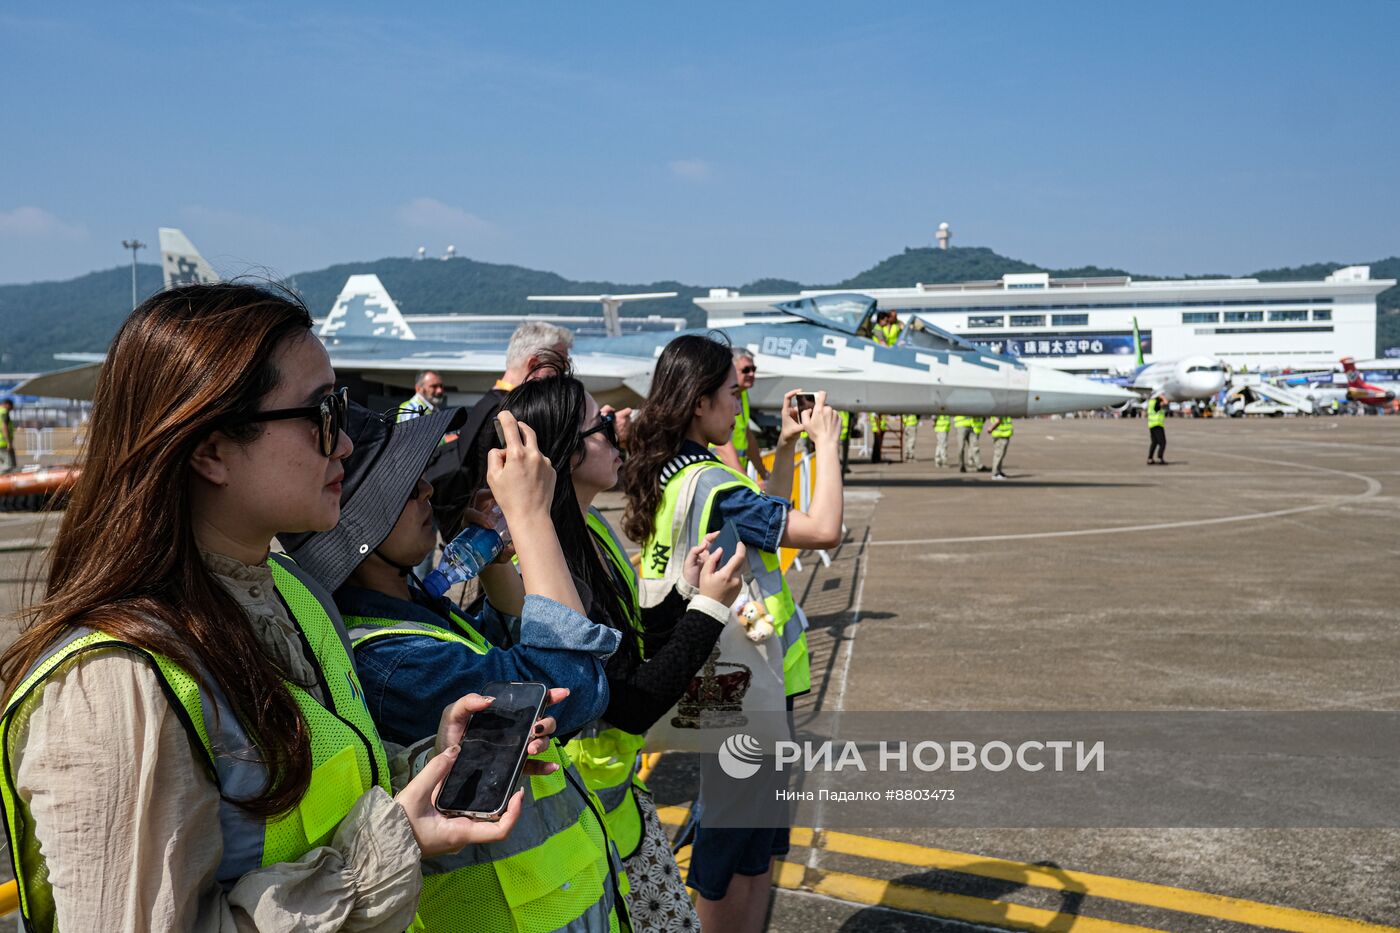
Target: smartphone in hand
803 402
500 432
728 540
489 766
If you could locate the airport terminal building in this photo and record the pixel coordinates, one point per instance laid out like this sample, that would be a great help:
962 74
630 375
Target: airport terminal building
1086 325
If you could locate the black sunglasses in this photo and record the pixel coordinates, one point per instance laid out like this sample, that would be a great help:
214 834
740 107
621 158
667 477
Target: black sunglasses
328 414
607 423
747 370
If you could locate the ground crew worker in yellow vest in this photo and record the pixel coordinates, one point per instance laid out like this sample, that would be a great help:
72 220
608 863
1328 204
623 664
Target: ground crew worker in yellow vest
663 646
886 332
742 450
7 436
1001 431
972 449
845 442
940 432
1157 429
162 605
693 400
411 648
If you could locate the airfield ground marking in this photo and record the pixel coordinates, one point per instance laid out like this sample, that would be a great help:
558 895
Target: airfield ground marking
907 897
1373 488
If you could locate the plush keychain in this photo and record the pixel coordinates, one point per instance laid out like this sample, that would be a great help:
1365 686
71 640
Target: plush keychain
757 621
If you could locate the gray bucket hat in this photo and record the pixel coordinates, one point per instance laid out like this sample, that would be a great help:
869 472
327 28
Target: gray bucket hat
380 475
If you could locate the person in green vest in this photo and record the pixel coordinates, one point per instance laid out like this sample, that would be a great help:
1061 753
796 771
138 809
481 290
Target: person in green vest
1157 429
845 442
940 431
7 436
663 647
968 430
185 741
559 869
1001 430
885 332
742 450
429 396
677 494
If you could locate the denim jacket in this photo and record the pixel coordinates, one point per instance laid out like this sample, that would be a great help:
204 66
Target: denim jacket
408 680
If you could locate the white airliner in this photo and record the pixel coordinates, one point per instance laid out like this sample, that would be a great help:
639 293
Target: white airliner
1191 377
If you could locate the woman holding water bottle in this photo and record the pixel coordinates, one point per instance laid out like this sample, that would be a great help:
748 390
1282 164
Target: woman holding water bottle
559 869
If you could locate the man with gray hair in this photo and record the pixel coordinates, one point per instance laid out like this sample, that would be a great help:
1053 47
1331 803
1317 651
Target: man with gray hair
532 344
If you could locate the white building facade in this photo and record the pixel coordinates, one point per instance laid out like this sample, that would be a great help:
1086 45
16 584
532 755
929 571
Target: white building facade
1086 325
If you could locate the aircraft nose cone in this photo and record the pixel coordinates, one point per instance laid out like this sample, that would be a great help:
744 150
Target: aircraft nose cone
1049 392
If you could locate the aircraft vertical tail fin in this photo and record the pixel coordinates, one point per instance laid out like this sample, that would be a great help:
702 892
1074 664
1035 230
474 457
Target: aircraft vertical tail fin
1349 367
364 309
181 262
1137 343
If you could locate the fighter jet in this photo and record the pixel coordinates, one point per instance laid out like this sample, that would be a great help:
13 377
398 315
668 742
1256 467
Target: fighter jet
822 343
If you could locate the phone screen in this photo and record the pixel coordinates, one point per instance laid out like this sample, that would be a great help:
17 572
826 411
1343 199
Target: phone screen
728 539
493 750
500 433
803 402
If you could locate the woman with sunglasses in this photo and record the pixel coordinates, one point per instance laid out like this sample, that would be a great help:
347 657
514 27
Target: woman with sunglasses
662 648
677 494
184 742
558 869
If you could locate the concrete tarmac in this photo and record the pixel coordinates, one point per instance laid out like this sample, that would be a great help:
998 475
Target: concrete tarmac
1256 571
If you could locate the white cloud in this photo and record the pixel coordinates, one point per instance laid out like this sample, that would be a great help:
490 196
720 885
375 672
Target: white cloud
434 216
691 169
36 223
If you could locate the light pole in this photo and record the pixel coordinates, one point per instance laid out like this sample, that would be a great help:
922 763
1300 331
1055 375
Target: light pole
133 245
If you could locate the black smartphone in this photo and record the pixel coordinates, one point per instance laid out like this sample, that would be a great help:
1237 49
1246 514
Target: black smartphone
488 768
728 539
500 432
803 402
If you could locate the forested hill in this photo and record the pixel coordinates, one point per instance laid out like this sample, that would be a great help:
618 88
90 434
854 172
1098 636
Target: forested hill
82 314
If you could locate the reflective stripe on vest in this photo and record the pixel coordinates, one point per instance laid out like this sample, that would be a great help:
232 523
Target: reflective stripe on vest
940 424
962 421
1156 413
789 622
551 873
740 438
1003 428
606 756
347 757
845 425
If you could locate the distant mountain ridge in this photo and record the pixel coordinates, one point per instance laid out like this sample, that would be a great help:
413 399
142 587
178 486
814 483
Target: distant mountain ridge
82 314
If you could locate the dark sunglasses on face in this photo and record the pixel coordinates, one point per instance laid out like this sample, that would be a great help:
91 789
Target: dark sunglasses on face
328 415
607 423
748 370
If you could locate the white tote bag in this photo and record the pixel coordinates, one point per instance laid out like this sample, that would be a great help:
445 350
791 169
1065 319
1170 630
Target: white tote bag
740 688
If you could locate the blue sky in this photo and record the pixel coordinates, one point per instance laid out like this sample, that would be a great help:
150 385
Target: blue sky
711 143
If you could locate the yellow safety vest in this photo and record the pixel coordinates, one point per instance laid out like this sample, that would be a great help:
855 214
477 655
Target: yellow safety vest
789 622
940 424
347 756
740 437
889 333
552 873
1156 413
1003 428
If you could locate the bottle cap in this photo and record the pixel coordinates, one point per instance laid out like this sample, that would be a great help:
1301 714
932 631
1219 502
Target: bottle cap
436 584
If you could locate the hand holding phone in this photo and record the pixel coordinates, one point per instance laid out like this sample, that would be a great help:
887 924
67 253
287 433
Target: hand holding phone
494 748
803 402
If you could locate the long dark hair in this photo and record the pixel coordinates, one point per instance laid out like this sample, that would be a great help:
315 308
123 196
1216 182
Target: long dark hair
691 367
125 560
554 405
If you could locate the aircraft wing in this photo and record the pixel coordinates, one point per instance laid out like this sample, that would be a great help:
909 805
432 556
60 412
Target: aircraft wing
75 382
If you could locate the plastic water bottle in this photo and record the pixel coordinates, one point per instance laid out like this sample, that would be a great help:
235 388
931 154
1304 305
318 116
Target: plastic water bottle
466 555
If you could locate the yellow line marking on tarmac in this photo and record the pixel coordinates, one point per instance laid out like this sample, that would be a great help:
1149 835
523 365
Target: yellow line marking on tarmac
1141 893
